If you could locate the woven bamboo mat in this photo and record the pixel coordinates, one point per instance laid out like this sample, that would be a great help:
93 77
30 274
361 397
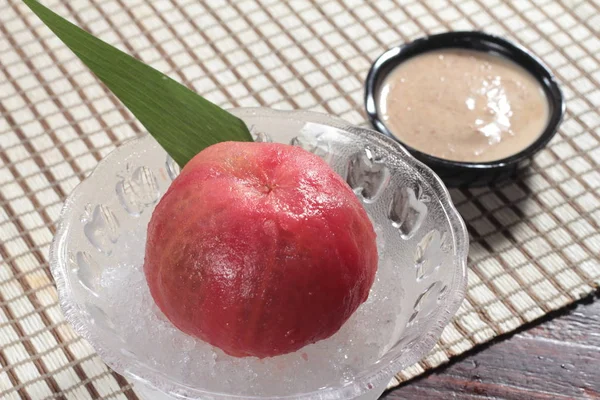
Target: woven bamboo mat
535 241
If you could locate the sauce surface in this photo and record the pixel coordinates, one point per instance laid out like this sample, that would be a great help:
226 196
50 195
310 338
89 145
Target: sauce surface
463 105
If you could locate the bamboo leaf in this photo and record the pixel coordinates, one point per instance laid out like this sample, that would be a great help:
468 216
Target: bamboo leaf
182 121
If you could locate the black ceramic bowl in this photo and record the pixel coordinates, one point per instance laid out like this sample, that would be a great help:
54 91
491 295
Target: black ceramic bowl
457 173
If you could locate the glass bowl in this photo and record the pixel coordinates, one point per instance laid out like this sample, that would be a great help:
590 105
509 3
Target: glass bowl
98 251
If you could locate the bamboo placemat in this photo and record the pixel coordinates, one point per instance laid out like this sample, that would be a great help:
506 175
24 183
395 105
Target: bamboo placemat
535 241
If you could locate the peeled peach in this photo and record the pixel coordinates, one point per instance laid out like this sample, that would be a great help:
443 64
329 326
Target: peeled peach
259 249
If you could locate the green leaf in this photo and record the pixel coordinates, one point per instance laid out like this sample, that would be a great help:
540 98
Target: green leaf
182 121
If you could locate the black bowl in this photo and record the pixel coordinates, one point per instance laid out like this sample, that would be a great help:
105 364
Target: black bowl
457 173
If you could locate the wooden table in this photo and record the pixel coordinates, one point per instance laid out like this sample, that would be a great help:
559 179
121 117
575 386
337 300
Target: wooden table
557 358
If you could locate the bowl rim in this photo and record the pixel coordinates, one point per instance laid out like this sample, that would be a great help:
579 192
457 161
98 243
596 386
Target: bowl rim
367 379
470 40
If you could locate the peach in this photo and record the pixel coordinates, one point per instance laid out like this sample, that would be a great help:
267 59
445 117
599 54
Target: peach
259 249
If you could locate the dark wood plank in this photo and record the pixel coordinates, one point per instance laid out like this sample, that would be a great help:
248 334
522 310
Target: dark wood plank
556 358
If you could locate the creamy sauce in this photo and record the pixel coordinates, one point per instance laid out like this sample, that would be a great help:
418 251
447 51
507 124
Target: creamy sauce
463 105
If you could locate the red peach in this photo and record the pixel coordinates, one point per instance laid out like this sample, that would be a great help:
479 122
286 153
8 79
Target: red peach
259 249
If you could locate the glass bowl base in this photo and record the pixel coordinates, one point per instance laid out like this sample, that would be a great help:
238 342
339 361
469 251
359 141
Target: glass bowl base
145 392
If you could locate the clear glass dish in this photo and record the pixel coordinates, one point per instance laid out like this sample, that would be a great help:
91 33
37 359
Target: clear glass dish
98 251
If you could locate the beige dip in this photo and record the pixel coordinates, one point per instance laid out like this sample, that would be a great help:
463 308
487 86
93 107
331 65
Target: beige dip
463 105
